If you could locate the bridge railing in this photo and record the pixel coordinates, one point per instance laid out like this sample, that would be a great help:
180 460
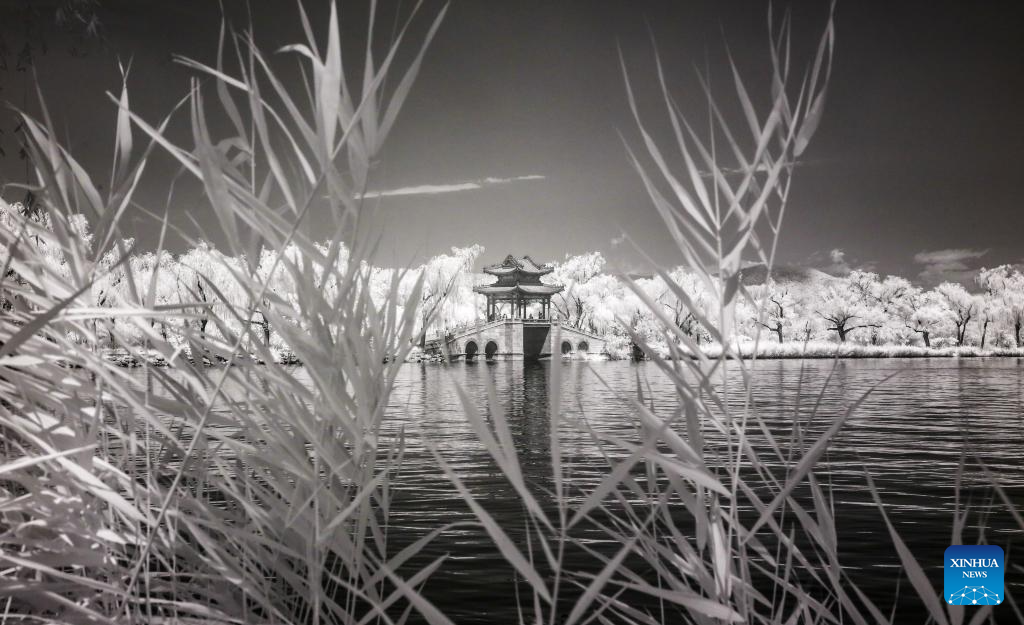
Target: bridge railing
453 331
449 333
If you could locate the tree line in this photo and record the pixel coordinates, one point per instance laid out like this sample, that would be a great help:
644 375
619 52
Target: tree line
862 307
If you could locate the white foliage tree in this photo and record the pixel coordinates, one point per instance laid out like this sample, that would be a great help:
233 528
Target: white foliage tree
844 310
1005 285
448 287
961 308
155 275
574 273
923 313
776 310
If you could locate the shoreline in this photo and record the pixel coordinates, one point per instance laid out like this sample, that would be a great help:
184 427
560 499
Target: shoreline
820 350
128 360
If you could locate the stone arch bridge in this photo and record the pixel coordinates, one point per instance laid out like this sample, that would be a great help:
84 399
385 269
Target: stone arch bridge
515 339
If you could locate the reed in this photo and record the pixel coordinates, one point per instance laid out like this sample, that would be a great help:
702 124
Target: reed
713 516
705 526
228 493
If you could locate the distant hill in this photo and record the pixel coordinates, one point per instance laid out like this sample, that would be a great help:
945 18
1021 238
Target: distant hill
782 274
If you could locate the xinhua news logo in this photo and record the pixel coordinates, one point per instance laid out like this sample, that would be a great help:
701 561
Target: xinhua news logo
973 575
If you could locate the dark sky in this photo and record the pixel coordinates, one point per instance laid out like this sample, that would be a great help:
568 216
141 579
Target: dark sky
919 153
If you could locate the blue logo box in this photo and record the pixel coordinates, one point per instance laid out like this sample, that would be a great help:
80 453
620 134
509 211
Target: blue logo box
973 575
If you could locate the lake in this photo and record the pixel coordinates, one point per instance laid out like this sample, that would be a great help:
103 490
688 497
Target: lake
909 434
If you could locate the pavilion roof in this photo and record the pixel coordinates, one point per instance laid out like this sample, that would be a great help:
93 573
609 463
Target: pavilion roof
525 289
524 265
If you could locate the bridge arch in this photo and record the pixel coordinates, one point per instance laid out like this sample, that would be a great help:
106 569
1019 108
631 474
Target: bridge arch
583 347
638 353
490 349
566 348
471 350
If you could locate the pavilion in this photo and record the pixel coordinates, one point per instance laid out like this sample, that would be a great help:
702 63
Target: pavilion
511 331
518 286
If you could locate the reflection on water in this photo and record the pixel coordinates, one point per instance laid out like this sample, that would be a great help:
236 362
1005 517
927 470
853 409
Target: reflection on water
909 434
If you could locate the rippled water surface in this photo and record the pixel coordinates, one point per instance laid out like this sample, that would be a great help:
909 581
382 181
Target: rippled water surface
910 433
911 423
